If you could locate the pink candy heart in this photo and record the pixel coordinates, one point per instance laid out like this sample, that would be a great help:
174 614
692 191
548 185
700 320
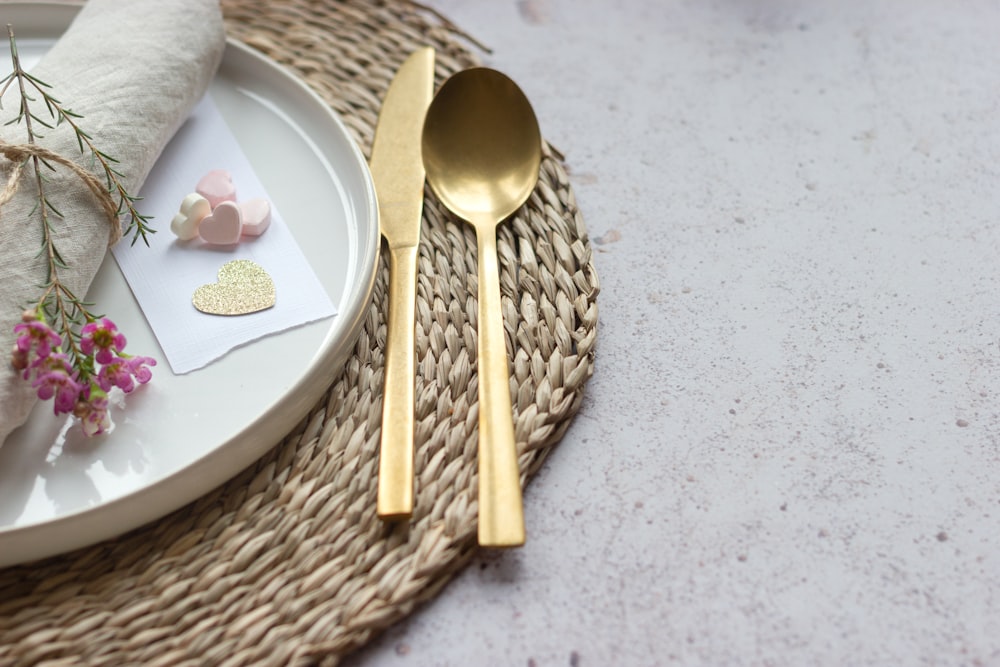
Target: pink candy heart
223 226
256 216
217 186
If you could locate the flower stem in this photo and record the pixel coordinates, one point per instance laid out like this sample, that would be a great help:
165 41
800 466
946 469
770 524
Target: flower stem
53 301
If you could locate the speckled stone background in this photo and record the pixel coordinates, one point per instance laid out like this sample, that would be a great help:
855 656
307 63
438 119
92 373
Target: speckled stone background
790 451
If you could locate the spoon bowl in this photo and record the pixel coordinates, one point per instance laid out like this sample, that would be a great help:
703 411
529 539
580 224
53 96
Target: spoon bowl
481 146
482 150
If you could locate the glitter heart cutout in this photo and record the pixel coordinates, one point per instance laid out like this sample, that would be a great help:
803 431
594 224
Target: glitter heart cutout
244 287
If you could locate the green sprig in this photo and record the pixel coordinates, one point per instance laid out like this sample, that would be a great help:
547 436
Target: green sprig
137 224
57 304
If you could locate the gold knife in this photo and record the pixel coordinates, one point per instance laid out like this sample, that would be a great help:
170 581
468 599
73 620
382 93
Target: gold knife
398 172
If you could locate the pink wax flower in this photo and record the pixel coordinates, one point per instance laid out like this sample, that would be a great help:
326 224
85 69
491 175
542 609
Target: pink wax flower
54 378
139 367
124 372
36 335
19 359
78 382
116 374
104 336
93 413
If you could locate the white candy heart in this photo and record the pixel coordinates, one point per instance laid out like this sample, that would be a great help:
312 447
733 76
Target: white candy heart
194 209
223 226
256 216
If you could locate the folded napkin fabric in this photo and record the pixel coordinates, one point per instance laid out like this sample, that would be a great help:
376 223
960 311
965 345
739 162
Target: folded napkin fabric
133 70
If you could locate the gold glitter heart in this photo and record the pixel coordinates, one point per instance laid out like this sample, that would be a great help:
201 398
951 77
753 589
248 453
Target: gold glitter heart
244 287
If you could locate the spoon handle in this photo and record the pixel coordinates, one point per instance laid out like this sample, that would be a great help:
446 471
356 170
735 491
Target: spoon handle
395 466
501 514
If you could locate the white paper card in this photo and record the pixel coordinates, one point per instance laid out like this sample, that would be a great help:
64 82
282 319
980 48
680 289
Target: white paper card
164 276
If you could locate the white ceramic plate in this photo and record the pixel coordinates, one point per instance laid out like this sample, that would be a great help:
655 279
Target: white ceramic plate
184 435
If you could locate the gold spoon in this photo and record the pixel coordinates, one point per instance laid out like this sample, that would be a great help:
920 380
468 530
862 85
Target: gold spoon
482 150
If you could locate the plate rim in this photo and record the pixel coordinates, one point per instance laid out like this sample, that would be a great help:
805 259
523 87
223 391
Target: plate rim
117 516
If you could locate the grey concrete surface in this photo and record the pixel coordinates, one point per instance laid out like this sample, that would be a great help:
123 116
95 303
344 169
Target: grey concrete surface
790 451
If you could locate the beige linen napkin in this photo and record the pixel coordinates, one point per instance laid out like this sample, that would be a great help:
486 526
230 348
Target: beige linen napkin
134 70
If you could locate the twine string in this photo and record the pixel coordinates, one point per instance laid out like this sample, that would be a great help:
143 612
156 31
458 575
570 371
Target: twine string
18 154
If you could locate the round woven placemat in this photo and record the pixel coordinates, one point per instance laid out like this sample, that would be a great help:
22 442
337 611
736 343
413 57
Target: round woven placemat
287 563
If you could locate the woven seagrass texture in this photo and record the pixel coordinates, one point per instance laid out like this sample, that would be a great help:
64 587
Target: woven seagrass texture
287 563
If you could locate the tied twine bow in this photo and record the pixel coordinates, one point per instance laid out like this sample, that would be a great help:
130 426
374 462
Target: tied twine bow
18 154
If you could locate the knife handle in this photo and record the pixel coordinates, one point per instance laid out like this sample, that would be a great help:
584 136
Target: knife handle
395 470
501 512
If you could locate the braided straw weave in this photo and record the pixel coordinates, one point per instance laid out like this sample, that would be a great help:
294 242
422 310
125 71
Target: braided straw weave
287 563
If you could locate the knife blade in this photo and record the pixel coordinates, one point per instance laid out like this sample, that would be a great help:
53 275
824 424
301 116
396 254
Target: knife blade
398 172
